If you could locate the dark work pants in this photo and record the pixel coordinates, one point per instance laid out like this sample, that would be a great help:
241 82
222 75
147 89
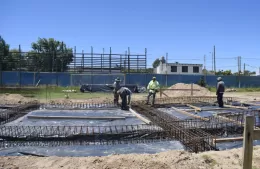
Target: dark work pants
124 101
220 99
149 95
116 97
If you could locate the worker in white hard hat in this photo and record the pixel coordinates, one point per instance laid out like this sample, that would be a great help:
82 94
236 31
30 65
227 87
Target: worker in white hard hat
153 88
220 91
116 86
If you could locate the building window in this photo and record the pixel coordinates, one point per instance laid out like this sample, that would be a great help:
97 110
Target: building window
185 69
195 69
173 68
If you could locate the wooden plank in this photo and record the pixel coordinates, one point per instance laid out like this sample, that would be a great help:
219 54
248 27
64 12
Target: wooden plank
140 117
229 120
210 109
74 117
257 134
221 140
189 114
248 142
194 107
236 107
165 94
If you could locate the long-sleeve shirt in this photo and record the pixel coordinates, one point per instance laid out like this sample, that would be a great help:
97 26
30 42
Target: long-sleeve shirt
220 87
153 85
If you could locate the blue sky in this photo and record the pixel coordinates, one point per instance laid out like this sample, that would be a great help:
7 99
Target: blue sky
186 29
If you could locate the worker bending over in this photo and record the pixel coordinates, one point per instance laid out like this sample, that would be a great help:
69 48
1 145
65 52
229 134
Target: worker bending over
124 92
116 86
220 91
152 87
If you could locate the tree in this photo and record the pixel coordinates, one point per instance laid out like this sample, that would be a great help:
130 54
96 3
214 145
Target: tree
4 47
225 73
49 55
156 63
248 73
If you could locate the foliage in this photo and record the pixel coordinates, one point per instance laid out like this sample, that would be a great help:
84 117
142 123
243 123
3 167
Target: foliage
202 82
4 47
156 63
4 51
225 73
49 55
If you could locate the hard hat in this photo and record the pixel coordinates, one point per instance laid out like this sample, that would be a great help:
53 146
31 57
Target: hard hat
219 78
154 77
117 79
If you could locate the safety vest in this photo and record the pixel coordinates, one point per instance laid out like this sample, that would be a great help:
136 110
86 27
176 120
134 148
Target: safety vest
153 85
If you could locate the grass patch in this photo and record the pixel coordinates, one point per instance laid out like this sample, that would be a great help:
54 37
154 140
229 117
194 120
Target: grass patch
53 92
209 160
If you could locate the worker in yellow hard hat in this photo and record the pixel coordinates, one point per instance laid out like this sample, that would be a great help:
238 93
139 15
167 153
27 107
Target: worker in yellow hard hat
152 88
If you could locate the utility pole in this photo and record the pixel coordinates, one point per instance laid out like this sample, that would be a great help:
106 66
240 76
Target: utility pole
214 59
239 69
166 69
205 71
244 69
204 62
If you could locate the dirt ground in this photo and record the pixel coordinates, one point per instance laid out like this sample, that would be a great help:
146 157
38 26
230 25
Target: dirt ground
230 159
18 99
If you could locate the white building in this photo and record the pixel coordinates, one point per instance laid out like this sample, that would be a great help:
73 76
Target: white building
178 68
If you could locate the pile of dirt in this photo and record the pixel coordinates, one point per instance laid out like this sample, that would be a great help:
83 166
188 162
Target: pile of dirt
230 159
178 93
13 99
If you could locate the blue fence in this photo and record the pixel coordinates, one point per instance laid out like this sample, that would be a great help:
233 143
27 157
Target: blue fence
67 79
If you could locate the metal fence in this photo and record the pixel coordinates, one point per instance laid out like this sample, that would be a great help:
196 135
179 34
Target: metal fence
23 78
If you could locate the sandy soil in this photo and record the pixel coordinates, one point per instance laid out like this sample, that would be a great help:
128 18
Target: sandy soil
13 99
19 99
230 159
178 93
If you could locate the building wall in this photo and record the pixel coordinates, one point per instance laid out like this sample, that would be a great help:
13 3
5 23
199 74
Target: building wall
67 79
166 69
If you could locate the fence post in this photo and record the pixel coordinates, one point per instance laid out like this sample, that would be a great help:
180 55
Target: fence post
191 89
248 142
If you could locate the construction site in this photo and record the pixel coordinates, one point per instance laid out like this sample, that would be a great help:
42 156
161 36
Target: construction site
69 112
192 123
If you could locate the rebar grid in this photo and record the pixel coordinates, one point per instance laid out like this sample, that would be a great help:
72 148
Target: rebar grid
85 134
195 141
7 144
79 106
14 113
66 131
187 99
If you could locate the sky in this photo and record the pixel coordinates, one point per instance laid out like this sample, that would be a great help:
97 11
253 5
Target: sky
185 29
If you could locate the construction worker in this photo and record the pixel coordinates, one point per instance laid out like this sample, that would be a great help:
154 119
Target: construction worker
116 86
152 87
220 91
124 92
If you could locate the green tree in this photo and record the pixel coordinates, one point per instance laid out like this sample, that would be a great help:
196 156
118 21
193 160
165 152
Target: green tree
248 73
225 73
49 55
4 51
156 63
